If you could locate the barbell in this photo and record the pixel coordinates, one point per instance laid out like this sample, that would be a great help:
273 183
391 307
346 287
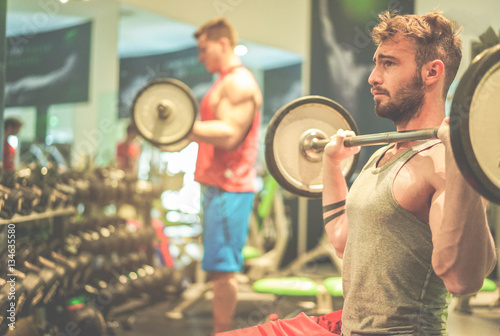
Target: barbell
299 131
165 109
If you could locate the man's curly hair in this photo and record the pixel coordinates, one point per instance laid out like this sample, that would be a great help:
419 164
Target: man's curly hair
216 29
435 37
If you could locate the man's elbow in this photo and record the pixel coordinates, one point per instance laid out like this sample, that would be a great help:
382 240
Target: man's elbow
339 247
461 284
228 146
464 288
231 143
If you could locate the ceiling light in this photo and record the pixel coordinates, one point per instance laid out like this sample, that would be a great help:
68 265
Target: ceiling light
240 50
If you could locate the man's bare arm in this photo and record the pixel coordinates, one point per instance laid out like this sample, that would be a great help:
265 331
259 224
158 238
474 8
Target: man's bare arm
235 114
464 250
335 191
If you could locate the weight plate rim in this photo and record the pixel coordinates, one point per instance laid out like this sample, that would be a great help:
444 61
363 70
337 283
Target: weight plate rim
170 81
459 124
269 156
175 147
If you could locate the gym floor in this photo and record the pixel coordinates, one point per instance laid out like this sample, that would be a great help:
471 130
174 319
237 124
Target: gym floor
151 320
253 309
148 319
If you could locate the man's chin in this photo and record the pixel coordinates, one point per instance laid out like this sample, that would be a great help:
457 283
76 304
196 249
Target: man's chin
380 111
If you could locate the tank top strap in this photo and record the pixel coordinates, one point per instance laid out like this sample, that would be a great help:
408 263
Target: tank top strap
231 69
409 153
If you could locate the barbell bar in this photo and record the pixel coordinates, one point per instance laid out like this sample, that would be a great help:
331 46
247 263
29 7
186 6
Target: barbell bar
299 131
380 138
165 109
313 142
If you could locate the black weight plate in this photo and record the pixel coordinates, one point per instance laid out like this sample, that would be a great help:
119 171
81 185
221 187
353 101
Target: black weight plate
475 124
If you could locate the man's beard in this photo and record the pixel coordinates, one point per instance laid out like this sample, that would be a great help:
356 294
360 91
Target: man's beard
406 104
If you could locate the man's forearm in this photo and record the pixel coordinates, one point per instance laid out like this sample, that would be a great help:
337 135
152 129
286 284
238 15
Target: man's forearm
464 251
334 194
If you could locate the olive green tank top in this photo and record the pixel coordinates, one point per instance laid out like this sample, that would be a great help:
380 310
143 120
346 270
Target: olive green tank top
390 287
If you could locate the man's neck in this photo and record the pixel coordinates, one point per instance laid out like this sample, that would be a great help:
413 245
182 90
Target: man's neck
431 114
231 62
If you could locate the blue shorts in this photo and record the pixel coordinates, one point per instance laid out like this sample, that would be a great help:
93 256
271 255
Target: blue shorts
225 229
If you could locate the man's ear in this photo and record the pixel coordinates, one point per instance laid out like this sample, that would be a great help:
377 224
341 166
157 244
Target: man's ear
224 41
432 72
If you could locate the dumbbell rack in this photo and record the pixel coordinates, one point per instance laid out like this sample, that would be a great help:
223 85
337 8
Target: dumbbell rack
100 263
22 296
18 219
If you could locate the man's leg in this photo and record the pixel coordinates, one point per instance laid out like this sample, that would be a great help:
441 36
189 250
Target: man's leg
225 290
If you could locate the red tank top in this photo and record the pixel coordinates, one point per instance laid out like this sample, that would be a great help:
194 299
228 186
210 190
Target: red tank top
229 170
9 156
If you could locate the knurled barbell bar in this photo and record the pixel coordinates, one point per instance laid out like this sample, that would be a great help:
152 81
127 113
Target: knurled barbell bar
299 131
165 110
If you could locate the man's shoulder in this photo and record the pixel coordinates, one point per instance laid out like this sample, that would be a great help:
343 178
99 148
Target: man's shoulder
429 161
435 150
241 83
240 76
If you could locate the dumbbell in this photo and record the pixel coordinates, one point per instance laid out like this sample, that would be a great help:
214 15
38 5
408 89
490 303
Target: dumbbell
134 237
57 199
119 237
8 178
107 240
76 266
68 191
158 282
82 191
110 266
60 271
86 264
116 221
164 276
88 319
73 269
122 190
12 202
145 235
76 225
13 297
45 200
31 199
137 259
28 180
32 281
124 241
50 278
112 287
33 288
80 185
84 236
144 277
91 242
116 289
162 280
136 283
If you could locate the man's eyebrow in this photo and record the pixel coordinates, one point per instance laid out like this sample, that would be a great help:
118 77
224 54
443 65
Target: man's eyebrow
383 56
